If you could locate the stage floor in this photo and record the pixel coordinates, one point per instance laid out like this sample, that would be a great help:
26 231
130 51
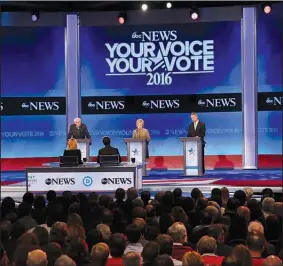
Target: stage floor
13 182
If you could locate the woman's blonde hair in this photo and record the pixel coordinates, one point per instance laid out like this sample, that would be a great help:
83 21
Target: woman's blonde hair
72 144
140 121
192 258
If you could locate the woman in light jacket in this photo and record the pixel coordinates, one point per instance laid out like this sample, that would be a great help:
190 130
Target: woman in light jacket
142 133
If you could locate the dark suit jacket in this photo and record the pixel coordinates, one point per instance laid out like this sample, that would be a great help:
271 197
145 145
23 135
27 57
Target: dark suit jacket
80 133
108 150
74 153
199 132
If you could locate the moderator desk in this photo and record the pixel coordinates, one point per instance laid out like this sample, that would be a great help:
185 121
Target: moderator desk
87 178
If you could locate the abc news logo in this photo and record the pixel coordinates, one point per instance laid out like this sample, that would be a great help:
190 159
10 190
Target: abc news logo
60 181
218 102
161 104
41 106
275 101
106 105
116 181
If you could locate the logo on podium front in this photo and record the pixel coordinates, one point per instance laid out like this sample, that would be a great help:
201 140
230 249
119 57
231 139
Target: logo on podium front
191 151
135 152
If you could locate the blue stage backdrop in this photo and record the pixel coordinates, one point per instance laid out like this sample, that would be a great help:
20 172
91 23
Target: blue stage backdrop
269 46
161 73
33 122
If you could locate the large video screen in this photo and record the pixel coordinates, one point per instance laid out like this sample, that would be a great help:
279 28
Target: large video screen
33 112
269 59
161 73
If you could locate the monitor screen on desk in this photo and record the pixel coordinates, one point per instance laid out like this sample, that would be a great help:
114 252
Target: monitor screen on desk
107 160
66 161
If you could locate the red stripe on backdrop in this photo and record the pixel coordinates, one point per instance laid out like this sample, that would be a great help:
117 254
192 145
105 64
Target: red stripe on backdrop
211 162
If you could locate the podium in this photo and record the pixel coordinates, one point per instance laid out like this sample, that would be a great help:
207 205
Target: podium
192 156
83 146
136 148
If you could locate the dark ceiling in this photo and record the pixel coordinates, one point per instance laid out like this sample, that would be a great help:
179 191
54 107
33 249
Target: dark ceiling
112 5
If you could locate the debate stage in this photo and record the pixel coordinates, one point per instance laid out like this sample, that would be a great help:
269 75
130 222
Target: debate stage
13 182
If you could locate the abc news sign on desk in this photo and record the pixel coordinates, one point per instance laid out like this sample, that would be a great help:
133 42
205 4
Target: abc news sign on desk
228 102
80 181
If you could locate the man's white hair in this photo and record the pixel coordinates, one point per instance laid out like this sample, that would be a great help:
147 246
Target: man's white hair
255 226
77 118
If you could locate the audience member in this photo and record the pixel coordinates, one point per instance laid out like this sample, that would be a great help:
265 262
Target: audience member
242 254
131 259
99 254
64 260
37 258
133 234
192 258
150 252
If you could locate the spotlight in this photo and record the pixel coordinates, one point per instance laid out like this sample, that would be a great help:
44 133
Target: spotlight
168 5
34 16
266 9
194 13
122 18
144 7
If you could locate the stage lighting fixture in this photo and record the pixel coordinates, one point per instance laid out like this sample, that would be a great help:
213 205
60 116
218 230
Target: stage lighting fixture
168 5
266 8
34 16
122 18
194 13
144 7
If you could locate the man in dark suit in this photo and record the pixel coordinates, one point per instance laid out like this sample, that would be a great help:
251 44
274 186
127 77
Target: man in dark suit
197 129
108 149
78 130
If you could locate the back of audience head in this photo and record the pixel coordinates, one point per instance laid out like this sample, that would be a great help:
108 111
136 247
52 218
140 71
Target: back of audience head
242 253
249 192
77 250
192 258
255 243
217 232
150 252
93 237
64 260
105 231
278 209
131 259
74 219
231 261
165 221
120 194
138 212
37 258
206 244
195 194
28 198
117 245
163 260
77 230
268 205
256 227
42 235
133 233
51 196
241 196
53 252
272 261
132 193
178 232
99 254
145 196
39 202
232 204
137 202
214 212
166 244
28 239
151 232
268 192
